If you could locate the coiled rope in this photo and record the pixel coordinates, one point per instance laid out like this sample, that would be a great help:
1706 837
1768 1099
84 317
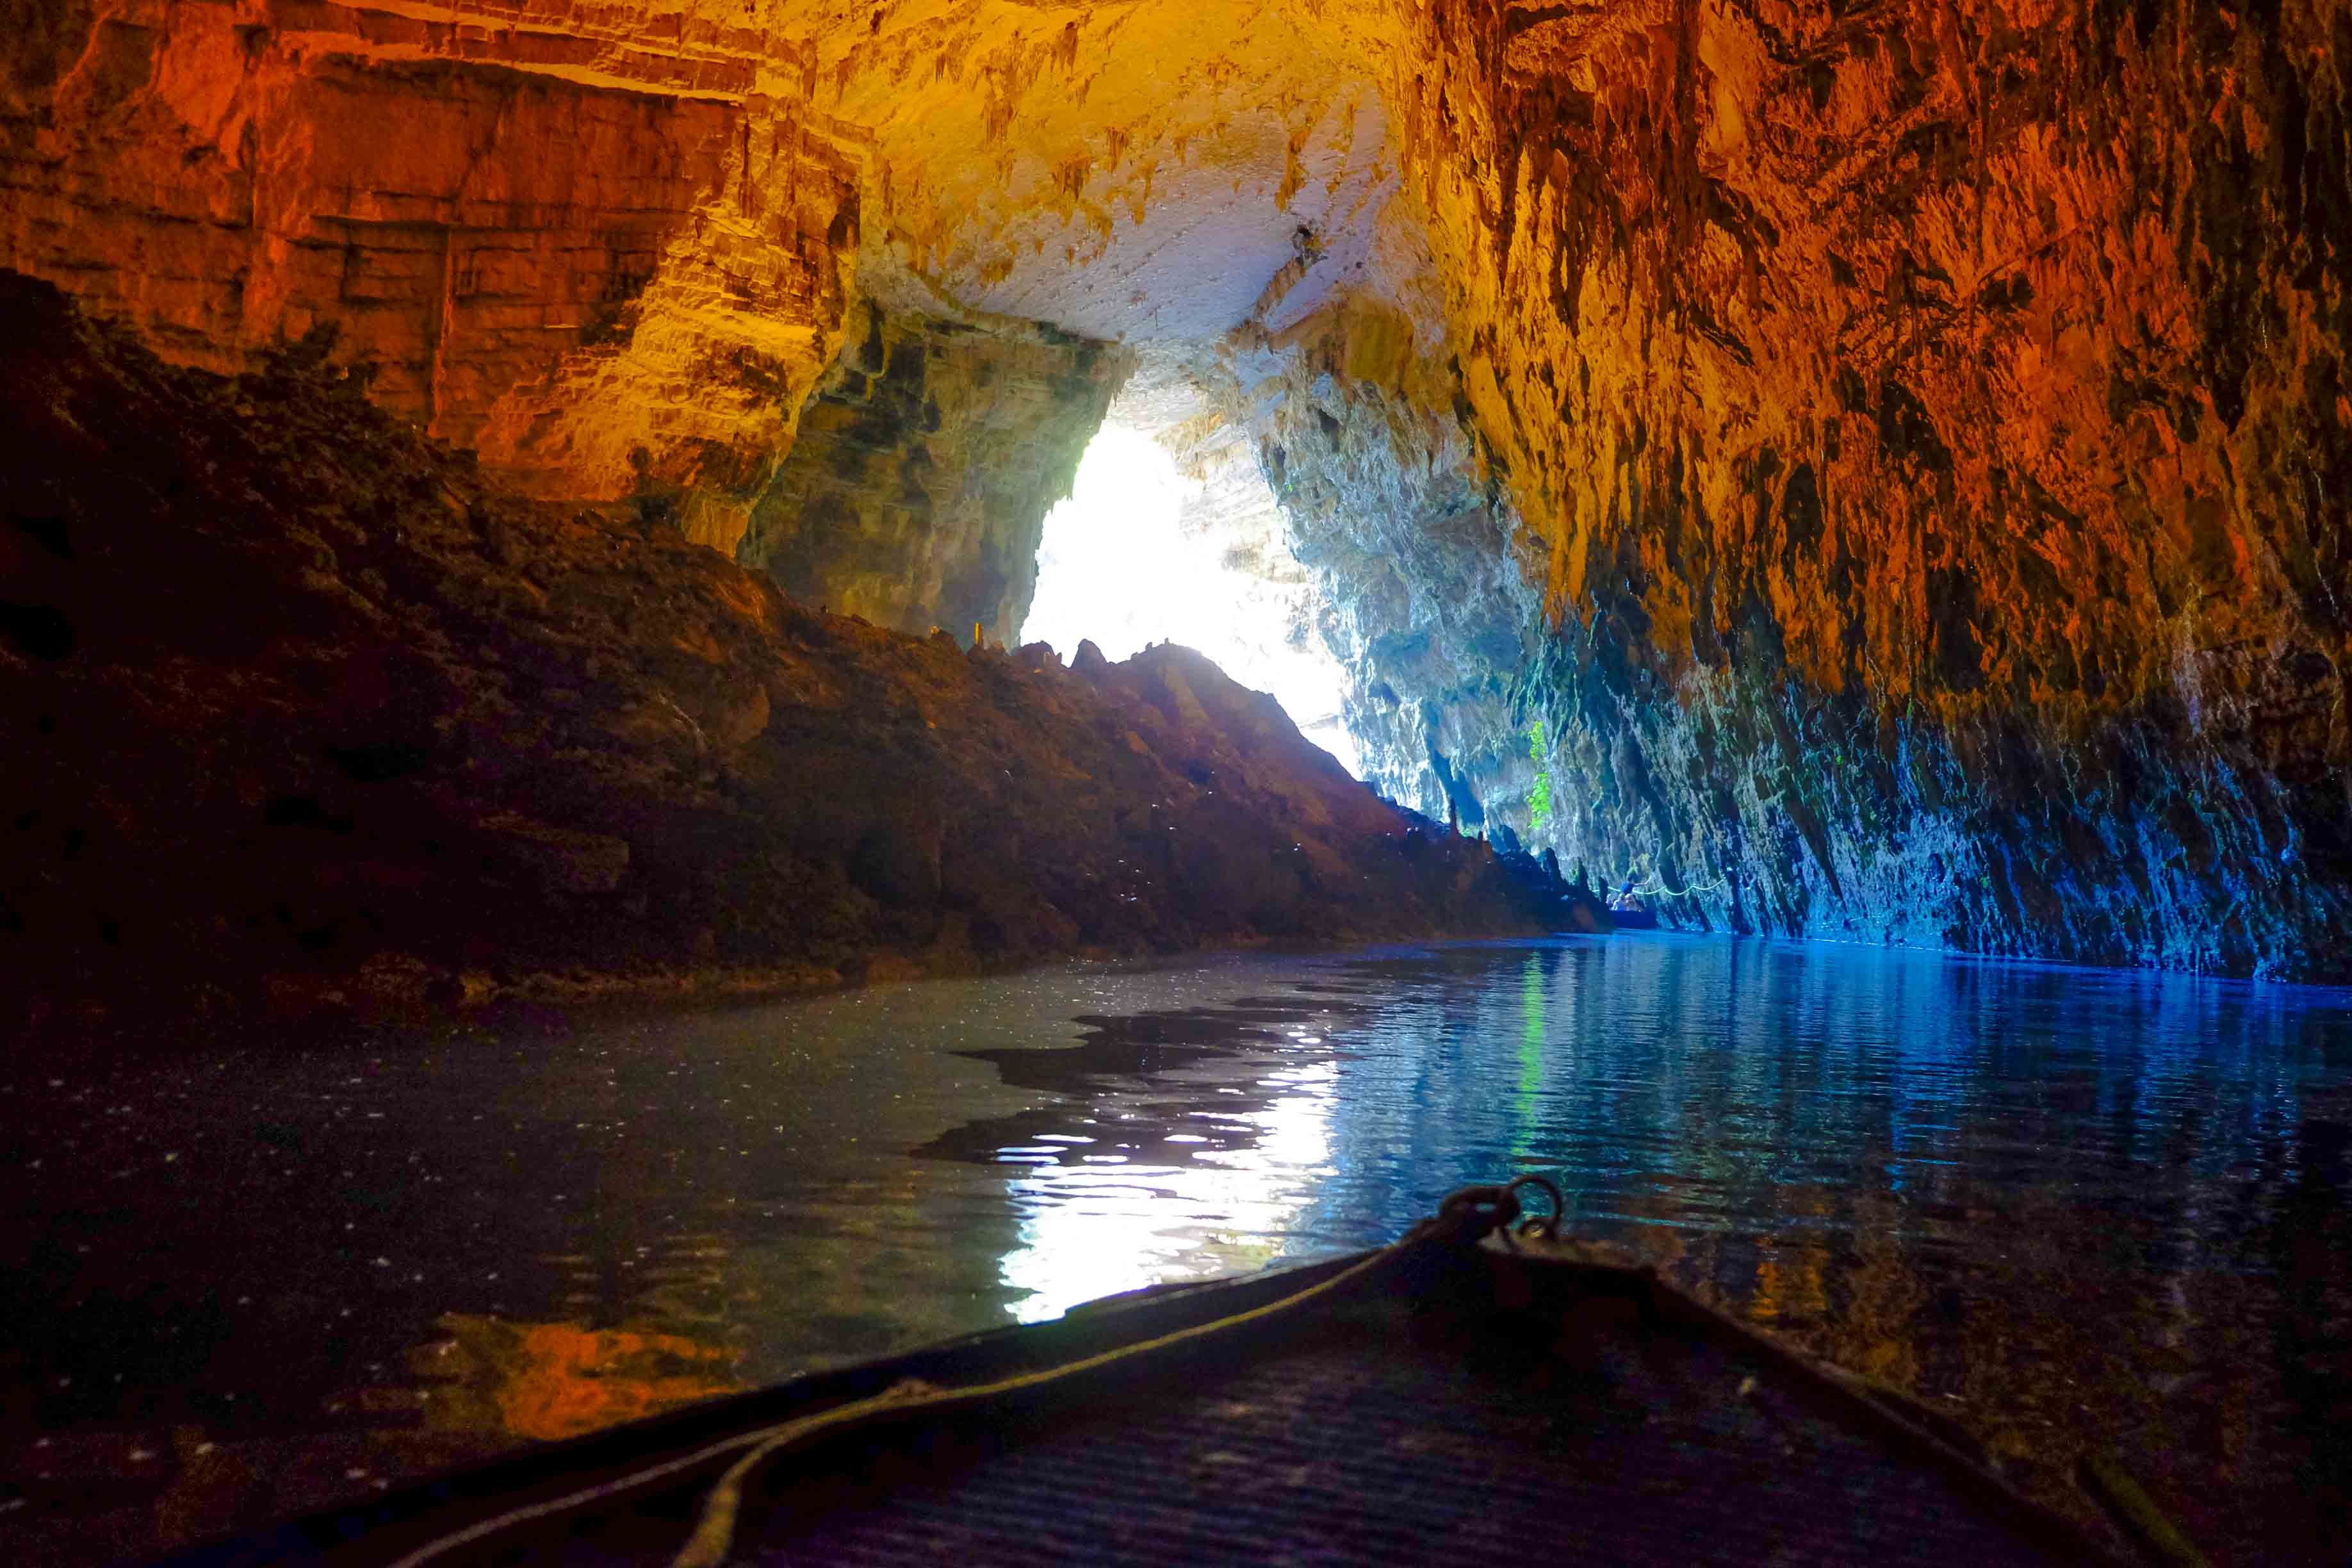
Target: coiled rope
1464 1217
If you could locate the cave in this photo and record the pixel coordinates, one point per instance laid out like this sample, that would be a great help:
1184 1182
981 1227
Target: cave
533 505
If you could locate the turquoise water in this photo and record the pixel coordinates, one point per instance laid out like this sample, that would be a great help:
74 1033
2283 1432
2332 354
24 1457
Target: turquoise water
2077 1208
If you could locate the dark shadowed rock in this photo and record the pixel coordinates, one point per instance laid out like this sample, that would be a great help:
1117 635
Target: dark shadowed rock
418 738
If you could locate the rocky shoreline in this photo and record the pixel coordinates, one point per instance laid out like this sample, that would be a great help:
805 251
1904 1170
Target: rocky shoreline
309 715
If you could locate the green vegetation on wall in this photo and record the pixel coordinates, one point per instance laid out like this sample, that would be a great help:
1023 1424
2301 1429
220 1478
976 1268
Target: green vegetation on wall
1540 794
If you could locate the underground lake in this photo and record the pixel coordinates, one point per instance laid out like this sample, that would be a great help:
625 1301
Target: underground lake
1133 783
2075 1208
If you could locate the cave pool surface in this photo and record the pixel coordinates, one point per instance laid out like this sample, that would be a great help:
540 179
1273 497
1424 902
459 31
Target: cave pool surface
2075 1208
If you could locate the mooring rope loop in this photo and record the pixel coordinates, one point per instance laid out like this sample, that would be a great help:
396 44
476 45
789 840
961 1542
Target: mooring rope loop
1485 1207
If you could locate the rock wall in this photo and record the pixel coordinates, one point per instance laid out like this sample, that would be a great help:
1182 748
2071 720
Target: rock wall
1896 453
605 248
1932 421
918 484
616 248
1430 585
2162 835
301 710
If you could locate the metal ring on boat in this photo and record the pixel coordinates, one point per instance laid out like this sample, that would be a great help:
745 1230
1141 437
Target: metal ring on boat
1544 1227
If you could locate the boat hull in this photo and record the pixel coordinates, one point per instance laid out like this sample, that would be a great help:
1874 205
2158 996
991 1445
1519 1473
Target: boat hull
1440 1401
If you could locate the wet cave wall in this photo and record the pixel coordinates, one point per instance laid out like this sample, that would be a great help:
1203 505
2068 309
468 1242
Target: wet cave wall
621 253
1926 432
1428 583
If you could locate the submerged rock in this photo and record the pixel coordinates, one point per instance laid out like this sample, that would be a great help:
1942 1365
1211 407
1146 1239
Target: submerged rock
324 717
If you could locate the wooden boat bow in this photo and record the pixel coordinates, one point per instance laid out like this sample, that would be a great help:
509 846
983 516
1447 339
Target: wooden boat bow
1483 1381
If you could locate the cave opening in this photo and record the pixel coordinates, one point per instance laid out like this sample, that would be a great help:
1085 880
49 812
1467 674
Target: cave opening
1147 548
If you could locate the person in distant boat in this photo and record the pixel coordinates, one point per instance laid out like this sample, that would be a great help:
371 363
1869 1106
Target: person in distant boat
1626 900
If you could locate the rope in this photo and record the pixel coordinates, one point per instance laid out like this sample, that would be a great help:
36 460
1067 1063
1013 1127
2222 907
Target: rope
715 1535
1467 1214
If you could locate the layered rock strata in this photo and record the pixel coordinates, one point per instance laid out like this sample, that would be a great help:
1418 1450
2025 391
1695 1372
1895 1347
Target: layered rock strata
606 249
300 706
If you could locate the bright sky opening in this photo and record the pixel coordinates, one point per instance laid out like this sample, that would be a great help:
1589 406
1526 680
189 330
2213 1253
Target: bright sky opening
1119 564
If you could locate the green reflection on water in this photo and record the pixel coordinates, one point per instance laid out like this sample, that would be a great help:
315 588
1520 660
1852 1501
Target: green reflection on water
1532 1033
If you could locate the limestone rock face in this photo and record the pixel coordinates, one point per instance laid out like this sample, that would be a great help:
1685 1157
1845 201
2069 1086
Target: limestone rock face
1430 586
614 248
917 488
1936 421
598 245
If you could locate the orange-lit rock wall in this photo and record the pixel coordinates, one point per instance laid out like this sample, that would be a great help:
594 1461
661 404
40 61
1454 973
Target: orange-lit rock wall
2033 307
1933 422
602 246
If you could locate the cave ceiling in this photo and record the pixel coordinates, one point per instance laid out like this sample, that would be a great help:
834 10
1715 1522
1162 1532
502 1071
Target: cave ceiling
1134 173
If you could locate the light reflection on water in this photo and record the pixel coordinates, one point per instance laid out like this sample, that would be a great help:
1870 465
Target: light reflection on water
2073 1205
1097 1228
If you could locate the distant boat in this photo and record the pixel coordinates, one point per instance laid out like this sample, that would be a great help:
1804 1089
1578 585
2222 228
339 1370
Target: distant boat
1634 920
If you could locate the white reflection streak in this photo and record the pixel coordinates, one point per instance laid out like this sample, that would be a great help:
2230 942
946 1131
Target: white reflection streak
1094 1230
